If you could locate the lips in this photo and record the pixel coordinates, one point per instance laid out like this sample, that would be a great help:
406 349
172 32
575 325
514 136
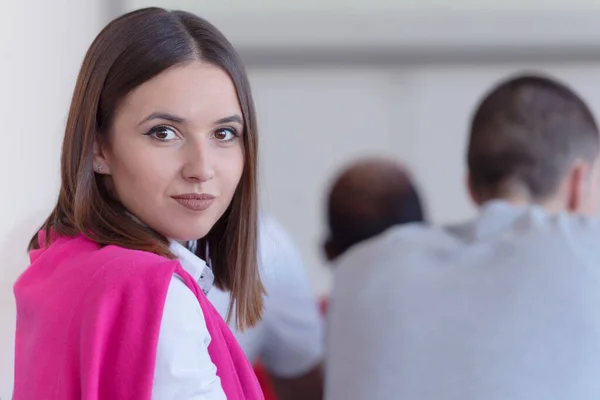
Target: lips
195 201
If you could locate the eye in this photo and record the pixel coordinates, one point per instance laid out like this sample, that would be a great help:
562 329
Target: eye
163 133
225 134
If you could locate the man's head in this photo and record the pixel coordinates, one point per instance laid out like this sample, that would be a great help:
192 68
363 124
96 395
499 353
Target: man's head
367 198
533 140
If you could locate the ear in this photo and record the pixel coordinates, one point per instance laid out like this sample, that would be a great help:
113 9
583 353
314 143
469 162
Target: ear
330 250
101 164
576 183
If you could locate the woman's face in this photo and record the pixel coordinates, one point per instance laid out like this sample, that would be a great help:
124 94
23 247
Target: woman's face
175 154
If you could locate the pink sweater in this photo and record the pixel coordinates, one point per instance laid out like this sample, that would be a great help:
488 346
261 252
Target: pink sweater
88 321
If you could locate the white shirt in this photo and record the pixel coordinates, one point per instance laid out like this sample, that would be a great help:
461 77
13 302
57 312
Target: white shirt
504 307
288 340
184 369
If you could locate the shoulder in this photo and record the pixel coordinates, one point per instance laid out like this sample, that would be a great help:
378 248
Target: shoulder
129 256
398 240
128 262
108 270
581 235
388 260
83 259
536 227
79 247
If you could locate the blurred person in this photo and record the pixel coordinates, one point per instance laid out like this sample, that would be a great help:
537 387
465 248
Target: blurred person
288 341
158 176
366 198
504 306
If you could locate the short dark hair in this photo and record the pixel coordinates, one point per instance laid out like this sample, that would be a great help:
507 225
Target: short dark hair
129 51
527 132
359 209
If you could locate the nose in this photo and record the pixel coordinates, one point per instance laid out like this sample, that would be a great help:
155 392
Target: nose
198 165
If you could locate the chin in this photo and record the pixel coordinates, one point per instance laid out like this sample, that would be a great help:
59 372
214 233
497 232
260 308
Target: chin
189 233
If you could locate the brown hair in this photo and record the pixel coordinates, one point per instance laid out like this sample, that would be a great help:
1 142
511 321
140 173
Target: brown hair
128 52
526 133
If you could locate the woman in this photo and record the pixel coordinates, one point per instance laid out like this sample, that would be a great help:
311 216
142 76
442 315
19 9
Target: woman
158 158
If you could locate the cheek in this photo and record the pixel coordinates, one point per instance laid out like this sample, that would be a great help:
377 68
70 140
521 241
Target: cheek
141 173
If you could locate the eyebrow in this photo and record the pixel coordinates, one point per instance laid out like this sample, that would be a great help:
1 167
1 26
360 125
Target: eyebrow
179 120
163 115
231 118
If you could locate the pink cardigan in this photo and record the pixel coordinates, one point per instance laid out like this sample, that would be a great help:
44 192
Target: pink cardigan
88 321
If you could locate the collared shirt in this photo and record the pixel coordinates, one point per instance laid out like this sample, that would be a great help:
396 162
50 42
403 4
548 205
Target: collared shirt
288 340
200 270
184 369
502 307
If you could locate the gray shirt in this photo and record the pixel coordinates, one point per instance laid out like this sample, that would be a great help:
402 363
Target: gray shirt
506 306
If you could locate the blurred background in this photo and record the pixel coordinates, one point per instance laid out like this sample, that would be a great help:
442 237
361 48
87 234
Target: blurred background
332 80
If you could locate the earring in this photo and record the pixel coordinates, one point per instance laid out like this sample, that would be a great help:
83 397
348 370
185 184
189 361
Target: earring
99 168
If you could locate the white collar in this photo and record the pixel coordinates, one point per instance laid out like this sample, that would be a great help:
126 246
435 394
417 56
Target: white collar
193 265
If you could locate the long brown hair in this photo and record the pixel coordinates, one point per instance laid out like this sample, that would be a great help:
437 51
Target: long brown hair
128 52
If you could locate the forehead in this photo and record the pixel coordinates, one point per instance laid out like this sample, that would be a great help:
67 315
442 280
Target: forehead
198 91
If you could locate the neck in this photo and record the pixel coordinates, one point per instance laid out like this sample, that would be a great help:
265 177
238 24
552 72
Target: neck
551 206
515 195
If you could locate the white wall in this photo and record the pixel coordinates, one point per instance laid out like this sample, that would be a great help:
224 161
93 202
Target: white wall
43 43
411 25
257 6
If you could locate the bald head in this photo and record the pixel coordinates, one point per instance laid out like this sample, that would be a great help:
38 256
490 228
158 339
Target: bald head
367 198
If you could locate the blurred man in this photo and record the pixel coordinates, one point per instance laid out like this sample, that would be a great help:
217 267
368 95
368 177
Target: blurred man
289 340
504 306
367 198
